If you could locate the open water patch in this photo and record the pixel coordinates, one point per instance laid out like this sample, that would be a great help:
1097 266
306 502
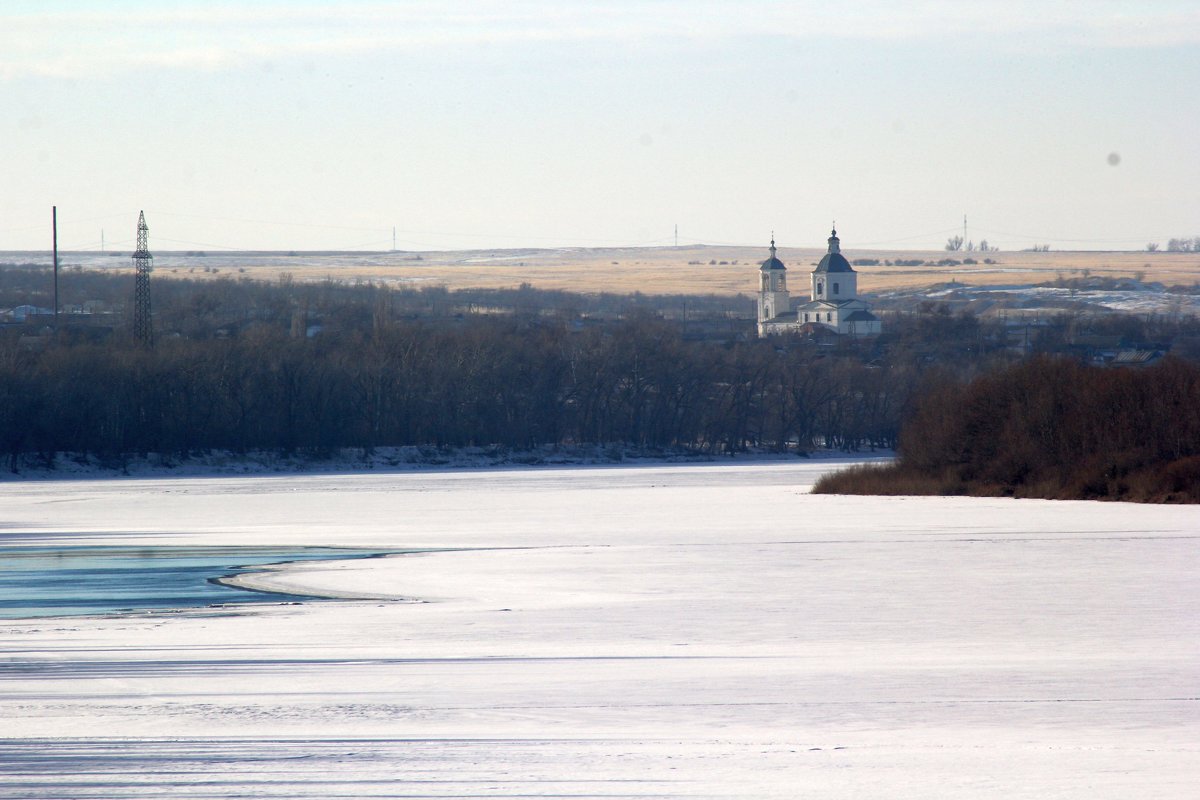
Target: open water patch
85 580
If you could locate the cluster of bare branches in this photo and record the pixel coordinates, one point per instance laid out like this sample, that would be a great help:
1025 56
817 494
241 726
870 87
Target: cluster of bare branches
1051 428
517 382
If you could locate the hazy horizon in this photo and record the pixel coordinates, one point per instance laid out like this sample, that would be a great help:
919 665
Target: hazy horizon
320 126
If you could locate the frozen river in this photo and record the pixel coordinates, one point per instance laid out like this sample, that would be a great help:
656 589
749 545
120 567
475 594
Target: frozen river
73 581
693 631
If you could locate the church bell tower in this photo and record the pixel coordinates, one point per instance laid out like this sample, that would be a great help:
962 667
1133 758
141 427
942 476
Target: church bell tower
773 298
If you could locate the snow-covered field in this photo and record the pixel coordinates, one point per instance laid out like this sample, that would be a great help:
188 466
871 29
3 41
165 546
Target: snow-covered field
1135 298
670 631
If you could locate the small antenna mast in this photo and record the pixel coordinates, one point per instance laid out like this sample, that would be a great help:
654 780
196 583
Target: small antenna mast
54 225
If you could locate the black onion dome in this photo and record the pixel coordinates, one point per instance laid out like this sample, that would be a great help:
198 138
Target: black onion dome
773 264
834 261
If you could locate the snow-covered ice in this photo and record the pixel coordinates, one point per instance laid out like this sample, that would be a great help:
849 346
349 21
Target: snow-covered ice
672 631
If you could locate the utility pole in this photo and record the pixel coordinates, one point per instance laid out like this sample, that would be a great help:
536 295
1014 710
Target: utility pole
54 225
143 331
964 230
676 235
102 240
393 238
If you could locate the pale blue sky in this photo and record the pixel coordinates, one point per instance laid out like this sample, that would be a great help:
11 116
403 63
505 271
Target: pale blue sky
305 125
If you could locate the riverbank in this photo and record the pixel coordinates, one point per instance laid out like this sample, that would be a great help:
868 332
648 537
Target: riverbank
67 466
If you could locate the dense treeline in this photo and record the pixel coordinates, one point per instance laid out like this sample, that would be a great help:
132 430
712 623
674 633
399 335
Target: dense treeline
1050 428
511 381
244 365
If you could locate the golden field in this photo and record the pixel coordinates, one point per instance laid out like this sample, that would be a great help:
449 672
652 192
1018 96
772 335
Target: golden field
665 270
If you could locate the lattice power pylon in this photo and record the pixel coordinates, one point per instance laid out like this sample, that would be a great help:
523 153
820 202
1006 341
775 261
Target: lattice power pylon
143 330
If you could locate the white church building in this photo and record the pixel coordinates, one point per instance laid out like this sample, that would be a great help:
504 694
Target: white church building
834 303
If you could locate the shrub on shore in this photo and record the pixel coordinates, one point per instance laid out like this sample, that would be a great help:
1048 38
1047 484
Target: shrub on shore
1049 428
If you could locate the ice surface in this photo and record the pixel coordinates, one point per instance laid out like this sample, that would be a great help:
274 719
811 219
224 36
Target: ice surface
690 631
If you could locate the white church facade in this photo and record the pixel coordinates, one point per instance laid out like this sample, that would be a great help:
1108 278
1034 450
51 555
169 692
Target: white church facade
833 303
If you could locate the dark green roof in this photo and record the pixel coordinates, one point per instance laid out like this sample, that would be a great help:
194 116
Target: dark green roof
773 264
834 262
